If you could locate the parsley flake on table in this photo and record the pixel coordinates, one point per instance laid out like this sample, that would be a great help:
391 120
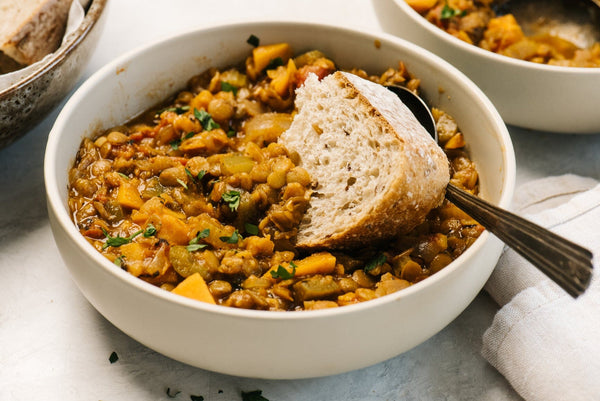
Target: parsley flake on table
113 357
255 395
232 198
206 120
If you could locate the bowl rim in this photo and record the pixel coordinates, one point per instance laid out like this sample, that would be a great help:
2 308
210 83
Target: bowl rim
491 56
90 19
55 205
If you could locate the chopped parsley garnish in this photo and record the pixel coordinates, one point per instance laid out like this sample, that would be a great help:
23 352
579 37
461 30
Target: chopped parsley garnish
118 240
449 12
274 63
378 260
149 231
251 228
172 394
175 144
227 87
195 244
253 40
177 110
183 184
206 120
201 175
255 395
231 133
232 198
119 261
113 357
233 239
196 398
283 273
124 176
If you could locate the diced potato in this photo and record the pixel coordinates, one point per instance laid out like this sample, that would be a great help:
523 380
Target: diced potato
128 196
283 78
194 287
421 5
262 56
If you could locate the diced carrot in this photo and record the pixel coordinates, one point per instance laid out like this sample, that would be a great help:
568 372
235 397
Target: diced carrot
173 230
194 287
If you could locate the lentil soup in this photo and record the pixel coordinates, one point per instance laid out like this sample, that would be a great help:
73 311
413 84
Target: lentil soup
197 197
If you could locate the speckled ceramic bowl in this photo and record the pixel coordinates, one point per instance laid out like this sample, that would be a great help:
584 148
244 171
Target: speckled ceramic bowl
28 101
282 345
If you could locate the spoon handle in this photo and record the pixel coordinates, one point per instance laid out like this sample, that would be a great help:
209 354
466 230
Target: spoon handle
566 263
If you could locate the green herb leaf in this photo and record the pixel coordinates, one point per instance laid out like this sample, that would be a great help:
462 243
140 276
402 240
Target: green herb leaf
227 87
177 109
233 239
201 175
251 228
113 357
194 244
195 247
231 133
283 273
119 261
183 184
172 394
232 198
189 173
149 231
196 398
449 12
274 63
118 240
255 395
206 120
378 260
253 40
124 176
175 144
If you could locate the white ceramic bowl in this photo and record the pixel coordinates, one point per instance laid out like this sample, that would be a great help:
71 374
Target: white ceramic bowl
260 343
529 95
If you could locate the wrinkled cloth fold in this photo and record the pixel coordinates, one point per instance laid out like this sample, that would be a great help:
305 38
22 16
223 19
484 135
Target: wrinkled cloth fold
543 341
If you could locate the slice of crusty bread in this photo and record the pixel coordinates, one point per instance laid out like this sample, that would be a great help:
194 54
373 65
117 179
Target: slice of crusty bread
378 171
31 29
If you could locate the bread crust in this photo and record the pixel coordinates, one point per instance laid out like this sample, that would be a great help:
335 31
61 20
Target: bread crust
32 28
414 182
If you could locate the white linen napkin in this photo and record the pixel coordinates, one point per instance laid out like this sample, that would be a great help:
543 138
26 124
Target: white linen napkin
544 342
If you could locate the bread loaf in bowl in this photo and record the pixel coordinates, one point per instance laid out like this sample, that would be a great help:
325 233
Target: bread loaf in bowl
31 29
377 171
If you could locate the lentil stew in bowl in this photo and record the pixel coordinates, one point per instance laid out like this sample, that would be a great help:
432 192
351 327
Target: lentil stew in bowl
197 197
486 25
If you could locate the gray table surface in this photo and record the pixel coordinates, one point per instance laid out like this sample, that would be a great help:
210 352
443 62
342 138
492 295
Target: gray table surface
55 346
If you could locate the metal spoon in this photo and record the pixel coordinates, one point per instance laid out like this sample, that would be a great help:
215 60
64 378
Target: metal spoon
566 263
577 21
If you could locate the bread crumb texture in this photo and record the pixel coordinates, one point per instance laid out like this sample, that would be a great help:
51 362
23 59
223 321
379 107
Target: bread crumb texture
377 171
